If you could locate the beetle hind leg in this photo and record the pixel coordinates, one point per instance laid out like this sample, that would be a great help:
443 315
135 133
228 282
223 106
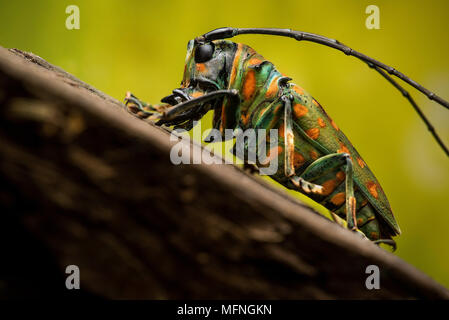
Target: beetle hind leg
333 162
306 186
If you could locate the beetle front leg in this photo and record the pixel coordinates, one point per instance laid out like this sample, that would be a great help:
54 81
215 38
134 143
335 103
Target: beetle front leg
142 109
181 108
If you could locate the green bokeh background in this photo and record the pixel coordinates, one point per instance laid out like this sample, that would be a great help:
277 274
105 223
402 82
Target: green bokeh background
140 46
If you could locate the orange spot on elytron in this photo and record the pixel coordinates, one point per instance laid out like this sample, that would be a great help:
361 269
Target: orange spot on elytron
334 125
197 94
235 63
249 87
364 203
372 188
313 155
299 110
338 199
298 159
201 67
343 148
374 235
340 175
298 89
321 122
313 133
361 163
359 221
329 186
273 88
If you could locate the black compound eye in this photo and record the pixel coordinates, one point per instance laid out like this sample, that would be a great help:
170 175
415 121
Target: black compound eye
204 52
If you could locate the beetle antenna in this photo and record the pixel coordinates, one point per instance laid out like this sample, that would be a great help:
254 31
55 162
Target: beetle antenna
407 95
383 69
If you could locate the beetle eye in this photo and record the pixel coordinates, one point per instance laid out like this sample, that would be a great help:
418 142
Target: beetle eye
204 52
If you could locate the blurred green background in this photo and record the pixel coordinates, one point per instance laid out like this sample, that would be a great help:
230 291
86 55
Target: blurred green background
140 46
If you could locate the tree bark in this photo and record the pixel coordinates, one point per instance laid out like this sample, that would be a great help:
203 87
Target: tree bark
85 183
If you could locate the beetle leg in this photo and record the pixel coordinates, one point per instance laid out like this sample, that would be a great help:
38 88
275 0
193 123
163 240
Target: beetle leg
289 145
337 219
345 160
329 162
133 103
176 110
305 185
139 108
350 199
341 222
344 224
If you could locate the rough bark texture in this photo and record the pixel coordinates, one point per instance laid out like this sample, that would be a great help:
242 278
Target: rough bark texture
83 182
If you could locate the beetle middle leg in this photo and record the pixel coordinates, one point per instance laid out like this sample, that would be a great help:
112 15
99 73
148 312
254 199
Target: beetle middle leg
289 147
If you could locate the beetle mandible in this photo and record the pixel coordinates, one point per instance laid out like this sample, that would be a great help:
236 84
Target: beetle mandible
316 158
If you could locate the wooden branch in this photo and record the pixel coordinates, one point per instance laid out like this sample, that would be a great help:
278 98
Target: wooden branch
86 183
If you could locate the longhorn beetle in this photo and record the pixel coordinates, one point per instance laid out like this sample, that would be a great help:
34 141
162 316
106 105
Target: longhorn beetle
245 90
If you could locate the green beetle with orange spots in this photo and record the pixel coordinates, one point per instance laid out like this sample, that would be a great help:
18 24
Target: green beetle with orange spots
314 157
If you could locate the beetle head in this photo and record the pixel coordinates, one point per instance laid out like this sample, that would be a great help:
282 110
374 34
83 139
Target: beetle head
207 66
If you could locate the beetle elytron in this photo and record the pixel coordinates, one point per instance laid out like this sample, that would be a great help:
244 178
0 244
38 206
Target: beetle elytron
245 90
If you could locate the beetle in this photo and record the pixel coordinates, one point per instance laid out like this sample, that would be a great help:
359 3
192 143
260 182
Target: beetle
316 158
